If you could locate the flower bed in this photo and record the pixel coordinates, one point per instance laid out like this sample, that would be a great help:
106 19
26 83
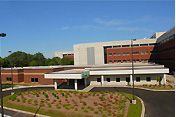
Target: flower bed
156 86
71 102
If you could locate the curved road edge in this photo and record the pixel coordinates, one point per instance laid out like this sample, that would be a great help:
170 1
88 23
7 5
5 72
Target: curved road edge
143 107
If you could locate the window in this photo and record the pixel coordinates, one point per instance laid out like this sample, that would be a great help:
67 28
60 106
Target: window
115 54
135 52
146 59
137 60
109 53
124 61
128 60
127 79
32 79
108 79
125 45
152 44
8 79
137 79
126 53
135 45
146 52
142 52
143 44
117 46
115 61
110 61
148 79
36 79
119 60
142 60
98 79
117 79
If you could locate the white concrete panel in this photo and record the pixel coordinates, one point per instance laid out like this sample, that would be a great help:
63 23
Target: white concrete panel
63 76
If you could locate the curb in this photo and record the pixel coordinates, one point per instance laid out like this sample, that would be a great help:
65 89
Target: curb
143 107
30 113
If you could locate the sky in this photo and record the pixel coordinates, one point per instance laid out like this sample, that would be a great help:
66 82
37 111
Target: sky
51 26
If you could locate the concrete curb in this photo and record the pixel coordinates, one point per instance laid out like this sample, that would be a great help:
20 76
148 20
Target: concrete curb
143 107
30 113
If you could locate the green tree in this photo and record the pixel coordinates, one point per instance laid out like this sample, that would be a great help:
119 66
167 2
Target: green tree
66 61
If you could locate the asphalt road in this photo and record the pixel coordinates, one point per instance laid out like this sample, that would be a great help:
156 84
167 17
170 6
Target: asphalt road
157 103
17 114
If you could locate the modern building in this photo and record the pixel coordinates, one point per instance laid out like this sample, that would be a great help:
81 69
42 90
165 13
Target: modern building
65 54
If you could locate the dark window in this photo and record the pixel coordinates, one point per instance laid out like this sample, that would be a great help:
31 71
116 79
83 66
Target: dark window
137 59
32 79
117 79
117 46
36 79
137 79
108 79
115 60
142 59
125 45
128 60
124 61
146 52
119 60
152 44
148 79
10 79
98 79
127 79
115 54
143 44
142 52
135 45
7 79
110 61
110 54
146 59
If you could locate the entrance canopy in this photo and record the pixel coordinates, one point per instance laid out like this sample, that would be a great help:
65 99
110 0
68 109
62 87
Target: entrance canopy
68 74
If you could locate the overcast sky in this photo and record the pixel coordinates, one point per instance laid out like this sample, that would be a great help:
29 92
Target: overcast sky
47 27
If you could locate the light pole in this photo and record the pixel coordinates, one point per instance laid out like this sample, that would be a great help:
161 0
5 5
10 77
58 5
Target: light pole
11 73
133 101
2 111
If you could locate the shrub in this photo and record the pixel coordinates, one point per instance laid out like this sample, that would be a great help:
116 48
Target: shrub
72 107
57 97
96 112
37 94
24 100
63 94
49 105
42 104
29 101
85 110
76 109
82 107
150 85
91 108
84 103
18 100
66 107
66 96
159 85
57 106
104 115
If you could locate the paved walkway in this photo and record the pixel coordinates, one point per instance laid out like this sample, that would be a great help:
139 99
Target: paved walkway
157 103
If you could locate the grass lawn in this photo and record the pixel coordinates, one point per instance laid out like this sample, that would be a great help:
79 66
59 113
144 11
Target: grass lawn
87 103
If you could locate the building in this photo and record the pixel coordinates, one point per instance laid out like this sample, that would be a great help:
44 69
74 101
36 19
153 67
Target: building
65 54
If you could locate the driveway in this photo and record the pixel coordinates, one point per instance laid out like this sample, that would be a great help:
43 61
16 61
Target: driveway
157 103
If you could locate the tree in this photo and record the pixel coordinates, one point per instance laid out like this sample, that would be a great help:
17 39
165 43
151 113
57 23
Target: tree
66 61
33 63
158 79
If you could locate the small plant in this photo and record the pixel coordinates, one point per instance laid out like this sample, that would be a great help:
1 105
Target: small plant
18 100
67 108
29 101
82 107
91 108
84 103
72 107
150 85
24 100
86 111
42 104
49 105
57 106
37 94
66 96
63 94
96 112
57 97
76 109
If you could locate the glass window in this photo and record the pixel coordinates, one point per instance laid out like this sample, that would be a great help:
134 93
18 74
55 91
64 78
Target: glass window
148 79
108 79
127 79
36 79
32 79
137 60
115 61
135 45
137 79
124 61
146 59
110 61
115 54
117 79
128 60
98 79
142 52
142 59
146 52
109 53
125 45
117 46
119 60
7 79
143 44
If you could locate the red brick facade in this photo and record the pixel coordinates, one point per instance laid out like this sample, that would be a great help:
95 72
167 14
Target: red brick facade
69 56
123 54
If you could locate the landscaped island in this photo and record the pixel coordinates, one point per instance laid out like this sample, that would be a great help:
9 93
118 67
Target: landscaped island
67 103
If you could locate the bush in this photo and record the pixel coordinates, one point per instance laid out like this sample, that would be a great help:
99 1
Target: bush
63 94
150 85
49 105
24 100
96 112
42 104
57 97
57 106
37 94
66 96
82 107
91 108
85 110
29 101
84 103
72 107
76 109
18 100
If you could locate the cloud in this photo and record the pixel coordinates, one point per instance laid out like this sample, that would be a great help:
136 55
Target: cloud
84 27
111 22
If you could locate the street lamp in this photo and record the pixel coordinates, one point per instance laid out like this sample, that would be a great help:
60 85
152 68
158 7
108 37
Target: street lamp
11 73
133 101
2 111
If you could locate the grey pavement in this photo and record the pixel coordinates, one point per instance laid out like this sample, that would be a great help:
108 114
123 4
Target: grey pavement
157 103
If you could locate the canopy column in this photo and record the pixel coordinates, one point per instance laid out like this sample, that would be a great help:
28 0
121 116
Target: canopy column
67 81
76 86
102 80
164 79
55 84
85 82
131 79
